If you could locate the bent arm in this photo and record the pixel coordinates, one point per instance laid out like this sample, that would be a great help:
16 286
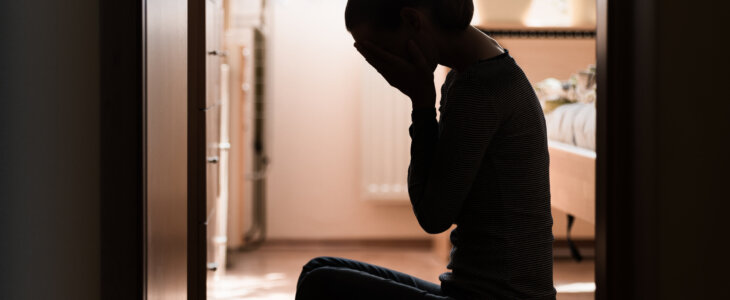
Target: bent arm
443 166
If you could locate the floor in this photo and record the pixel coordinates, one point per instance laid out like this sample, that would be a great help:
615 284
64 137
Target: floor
270 273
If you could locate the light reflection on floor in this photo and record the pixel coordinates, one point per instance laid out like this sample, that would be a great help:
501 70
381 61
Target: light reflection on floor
250 287
577 287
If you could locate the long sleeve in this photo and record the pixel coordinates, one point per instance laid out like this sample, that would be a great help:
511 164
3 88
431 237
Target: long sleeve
443 165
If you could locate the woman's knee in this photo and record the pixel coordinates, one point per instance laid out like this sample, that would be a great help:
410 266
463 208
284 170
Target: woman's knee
321 274
316 283
314 264
320 261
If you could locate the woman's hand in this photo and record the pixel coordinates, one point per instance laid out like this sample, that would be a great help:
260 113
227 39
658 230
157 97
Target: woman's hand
413 78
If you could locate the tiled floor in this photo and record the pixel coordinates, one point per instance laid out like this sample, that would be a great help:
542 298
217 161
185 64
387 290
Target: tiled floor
270 273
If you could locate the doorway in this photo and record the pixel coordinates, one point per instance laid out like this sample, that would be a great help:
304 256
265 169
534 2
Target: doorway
289 25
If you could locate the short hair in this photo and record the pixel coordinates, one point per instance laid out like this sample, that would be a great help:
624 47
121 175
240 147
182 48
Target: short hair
453 15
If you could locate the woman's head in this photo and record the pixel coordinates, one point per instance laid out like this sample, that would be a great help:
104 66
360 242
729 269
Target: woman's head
447 15
390 24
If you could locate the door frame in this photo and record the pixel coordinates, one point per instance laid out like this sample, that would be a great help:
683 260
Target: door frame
197 206
123 155
122 193
626 264
623 164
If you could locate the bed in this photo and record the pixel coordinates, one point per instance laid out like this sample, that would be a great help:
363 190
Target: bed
571 134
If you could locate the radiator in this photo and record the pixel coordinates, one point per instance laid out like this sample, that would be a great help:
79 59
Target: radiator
385 143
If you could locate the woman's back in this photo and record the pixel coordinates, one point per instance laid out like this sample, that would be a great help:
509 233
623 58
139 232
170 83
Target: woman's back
503 240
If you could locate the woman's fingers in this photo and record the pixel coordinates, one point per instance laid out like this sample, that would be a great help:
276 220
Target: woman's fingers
410 76
373 61
381 55
381 63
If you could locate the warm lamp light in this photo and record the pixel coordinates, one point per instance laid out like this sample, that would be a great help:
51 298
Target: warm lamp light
549 13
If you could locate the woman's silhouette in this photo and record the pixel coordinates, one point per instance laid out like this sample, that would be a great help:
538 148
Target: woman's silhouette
482 166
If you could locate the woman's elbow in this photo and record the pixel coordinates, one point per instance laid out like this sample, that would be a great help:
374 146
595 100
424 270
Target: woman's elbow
434 226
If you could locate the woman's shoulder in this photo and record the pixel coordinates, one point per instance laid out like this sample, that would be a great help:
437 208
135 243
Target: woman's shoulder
497 83
498 73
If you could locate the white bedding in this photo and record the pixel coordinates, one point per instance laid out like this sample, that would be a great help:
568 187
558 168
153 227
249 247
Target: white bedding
573 124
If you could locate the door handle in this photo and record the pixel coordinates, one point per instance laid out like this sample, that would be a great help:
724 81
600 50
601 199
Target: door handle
212 266
217 53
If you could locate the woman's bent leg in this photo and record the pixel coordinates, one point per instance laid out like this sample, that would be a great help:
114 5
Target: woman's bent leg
378 271
327 282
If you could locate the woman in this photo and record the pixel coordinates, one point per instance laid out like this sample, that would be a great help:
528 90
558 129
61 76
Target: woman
483 166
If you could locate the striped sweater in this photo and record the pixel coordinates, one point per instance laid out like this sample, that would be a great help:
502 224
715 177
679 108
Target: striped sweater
484 167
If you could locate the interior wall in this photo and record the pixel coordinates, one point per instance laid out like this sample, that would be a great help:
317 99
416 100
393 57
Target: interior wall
557 58
49 150
313 91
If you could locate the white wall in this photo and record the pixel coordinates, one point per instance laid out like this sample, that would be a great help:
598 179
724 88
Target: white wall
313 142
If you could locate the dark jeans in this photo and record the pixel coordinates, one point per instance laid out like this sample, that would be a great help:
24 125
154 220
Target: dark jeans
340 278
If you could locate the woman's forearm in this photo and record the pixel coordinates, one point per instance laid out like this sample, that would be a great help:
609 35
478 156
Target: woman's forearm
446 155
424 134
